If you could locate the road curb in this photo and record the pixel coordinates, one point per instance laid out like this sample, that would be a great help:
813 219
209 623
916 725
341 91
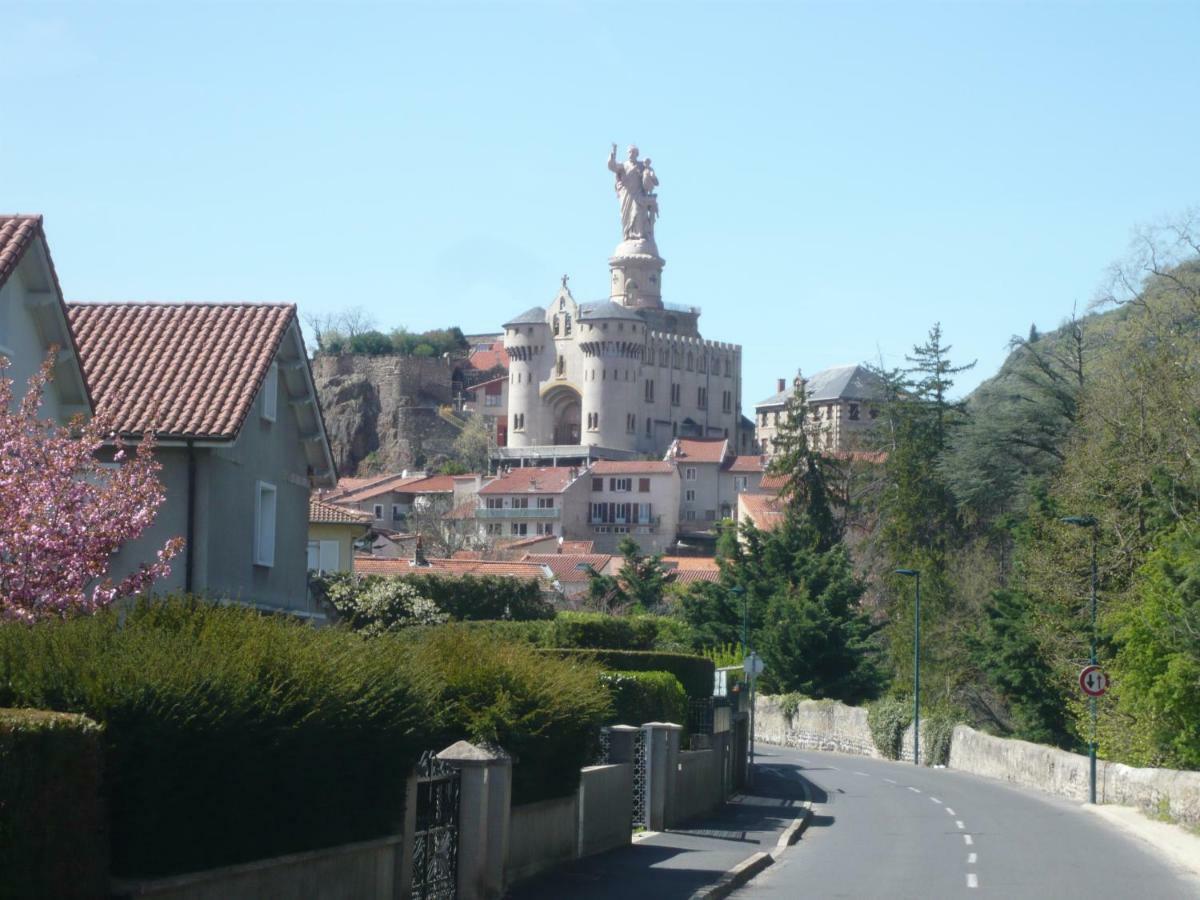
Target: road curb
792 833
735 877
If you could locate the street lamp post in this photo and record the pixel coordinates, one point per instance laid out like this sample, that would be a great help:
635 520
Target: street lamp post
1090 522
915 573
739 591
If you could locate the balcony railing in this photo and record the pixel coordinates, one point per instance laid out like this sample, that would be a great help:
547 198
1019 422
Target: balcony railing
486 513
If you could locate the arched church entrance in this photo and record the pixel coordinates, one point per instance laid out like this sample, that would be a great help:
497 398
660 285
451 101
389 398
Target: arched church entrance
564 405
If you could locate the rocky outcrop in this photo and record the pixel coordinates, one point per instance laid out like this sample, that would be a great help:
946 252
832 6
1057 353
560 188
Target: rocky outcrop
382 412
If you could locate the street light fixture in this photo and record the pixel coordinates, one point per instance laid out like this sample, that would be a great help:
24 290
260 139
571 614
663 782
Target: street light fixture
738 591
1092 523
915 573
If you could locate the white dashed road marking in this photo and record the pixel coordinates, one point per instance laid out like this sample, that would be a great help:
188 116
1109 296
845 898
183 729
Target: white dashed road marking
935 800
959 823
972 880
968 840
915 790
972 858
889 781
863 774
949 810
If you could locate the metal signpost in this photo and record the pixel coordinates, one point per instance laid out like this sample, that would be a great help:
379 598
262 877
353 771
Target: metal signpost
753 667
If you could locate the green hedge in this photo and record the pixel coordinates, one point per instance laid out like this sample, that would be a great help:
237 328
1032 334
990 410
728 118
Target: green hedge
641 697
52 839
695 673
466 598
228 735
937 734
544 712
887 719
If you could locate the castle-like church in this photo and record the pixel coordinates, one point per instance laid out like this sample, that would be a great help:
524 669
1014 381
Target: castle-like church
621 377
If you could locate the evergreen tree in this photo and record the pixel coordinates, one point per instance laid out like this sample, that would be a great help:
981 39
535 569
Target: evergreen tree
806 472
642 578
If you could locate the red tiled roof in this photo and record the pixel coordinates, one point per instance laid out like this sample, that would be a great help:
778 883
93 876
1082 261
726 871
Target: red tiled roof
569 566
346 486
370 565
17 233
773 482
325 513
632 467
180 369
691 563
376 486
576 546
692 576
703 450
763 510
434 484
531 480
871 456
747 464
483 360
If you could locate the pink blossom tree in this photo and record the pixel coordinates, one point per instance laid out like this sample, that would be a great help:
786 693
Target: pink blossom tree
63 513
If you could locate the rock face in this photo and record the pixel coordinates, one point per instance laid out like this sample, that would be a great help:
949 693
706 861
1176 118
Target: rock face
383 413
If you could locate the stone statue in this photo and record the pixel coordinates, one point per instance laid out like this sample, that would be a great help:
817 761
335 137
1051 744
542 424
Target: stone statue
635 186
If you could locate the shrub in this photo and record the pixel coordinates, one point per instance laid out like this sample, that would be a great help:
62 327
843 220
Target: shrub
51 816
938 731
382 605
228 735
640 697
466 598
695 673
543 711
887 719
601 631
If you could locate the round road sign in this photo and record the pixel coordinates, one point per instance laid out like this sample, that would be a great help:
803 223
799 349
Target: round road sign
1093 681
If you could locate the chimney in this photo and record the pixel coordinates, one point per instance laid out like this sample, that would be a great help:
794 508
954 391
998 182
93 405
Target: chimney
782 385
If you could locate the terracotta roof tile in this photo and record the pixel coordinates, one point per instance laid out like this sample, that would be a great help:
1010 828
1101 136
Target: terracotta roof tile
531 480
493 357
692 576
764 510
570 566
632 467
371 565
17 233
747 464
692 563
347 486
181 369
702 450
325 513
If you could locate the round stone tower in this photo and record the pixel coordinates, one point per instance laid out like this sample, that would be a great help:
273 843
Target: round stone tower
636 280
525 339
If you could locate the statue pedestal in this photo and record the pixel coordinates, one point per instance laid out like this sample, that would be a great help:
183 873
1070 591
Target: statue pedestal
637 274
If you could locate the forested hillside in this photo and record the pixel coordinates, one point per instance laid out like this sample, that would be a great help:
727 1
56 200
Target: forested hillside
1099 418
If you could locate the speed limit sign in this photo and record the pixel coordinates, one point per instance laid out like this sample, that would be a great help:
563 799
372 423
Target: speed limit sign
1093 681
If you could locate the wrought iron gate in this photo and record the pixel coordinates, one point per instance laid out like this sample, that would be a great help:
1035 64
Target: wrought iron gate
435 840
639 779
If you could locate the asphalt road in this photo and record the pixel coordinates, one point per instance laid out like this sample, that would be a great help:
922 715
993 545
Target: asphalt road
884 829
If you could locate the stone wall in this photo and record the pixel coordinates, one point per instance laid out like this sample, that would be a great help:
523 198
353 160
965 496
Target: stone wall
828 725
605 807
815 725
385 407
1066 774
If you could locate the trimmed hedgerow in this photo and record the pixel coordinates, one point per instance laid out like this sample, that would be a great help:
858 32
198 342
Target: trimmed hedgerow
600 631
641 697
695 673
52 837
887 719
544 712
385 602
228 735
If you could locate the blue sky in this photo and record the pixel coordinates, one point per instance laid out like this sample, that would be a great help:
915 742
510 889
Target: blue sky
835 177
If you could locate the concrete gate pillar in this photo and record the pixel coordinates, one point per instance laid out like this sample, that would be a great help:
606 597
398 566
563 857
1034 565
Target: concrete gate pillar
662 768
620 743
484 814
